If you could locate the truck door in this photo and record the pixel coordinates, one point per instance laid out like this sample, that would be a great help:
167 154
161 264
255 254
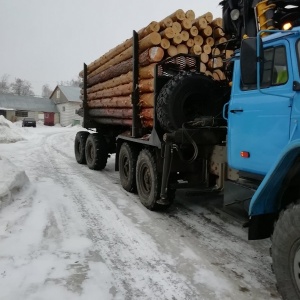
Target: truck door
259 120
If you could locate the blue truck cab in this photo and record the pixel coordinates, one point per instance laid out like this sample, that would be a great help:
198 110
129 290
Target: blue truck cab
264 145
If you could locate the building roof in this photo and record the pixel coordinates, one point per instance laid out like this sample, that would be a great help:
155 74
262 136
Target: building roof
72 93
27 103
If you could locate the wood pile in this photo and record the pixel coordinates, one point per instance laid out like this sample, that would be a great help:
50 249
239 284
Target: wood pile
110 77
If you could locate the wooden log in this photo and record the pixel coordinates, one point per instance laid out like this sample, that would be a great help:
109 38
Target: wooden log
221 74
146 85
210 41
200 23
221 42
190 43
208 17
227 53
147 72
196 49
215 52
178 15
108 56
208 73
147 123
172 51
146 113
152 27
123 79
186 24
190 14
216 23
194 31
165 43
206 32
165 23
168 33
181 48
121 90
206 49
204 58
177 39
124 101
218 32
176 27
198 40
215 63
149 41
154 54
146 100
120 113
202 67
184 35
215 76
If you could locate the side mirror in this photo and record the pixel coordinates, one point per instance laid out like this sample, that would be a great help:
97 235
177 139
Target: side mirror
249 60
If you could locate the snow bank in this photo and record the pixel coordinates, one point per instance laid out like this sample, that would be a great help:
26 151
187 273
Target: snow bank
9 133
11 178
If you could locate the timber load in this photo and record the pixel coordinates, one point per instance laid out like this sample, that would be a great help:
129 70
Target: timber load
109 79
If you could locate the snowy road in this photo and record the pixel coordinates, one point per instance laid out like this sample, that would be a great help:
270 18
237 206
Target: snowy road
74 233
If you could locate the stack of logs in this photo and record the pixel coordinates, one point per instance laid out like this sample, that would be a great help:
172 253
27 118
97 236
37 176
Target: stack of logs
109 78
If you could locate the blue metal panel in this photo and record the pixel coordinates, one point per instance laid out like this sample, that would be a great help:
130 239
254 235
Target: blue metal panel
259 122
264 199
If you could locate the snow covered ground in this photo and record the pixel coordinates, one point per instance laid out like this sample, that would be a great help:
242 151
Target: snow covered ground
67 232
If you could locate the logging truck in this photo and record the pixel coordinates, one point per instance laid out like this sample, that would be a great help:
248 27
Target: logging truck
211 104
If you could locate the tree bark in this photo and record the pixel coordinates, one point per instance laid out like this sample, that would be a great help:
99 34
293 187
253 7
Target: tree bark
124 101
146 113
146 100
120 113
146 85
149 56
149 41
121 90
147 72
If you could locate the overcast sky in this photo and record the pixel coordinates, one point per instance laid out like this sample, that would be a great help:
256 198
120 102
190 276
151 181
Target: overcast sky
48 41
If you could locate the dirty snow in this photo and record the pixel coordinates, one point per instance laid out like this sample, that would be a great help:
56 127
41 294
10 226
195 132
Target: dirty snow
73 233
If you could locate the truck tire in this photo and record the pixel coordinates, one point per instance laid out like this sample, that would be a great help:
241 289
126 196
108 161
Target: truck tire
286 252
148 182
79 146
96 151
127 166
185 97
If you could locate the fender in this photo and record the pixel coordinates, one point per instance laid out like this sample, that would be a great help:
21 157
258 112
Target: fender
265 204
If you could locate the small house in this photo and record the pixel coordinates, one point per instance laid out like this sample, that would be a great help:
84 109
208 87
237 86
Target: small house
15 108
67 100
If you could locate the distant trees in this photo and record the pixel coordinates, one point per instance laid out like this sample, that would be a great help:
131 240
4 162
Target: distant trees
18 87
4 85
46 91
21 87
72 82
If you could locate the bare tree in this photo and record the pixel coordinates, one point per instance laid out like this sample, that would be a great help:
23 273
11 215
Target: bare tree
46 91
4 85
73 82
21 87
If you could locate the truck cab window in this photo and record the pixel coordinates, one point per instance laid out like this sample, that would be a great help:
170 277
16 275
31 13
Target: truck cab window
275 67
275 70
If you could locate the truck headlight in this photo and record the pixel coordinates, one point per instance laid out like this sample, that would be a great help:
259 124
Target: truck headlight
234 14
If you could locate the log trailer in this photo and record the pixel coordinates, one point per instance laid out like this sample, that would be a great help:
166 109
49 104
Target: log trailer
239 136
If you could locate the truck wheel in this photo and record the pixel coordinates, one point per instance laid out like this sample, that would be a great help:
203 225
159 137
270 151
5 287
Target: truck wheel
286 252
188 96
147 181
96 151
79 146
127 166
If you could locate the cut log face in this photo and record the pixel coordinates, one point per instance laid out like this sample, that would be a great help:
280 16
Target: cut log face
216 22
210 41
204 57
200 23
165 23
176 27
190 14
206 32
177 39
147 72
168 33
184 35
182 49
202 67
146 100
186 24
196 49
190 43
194 31
152 27
208 17
178 15
165 43
198 40
206 49
146 85
172 51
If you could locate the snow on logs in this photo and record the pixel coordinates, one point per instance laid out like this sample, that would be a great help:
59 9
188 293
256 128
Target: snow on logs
109 78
